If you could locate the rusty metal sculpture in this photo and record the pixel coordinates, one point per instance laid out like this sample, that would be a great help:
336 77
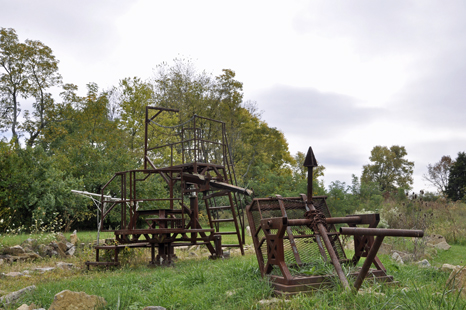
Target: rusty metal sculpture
152 202
294 233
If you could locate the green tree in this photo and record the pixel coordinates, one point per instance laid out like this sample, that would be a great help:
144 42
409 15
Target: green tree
133 96
438 173
13 79
42 70
34 191
456 188
389 168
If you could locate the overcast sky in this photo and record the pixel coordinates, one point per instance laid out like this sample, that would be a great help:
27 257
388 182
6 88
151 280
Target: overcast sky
340 76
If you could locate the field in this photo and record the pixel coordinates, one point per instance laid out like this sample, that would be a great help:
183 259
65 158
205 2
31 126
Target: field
196 282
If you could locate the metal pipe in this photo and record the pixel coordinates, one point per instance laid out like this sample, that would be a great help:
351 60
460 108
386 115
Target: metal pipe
330 220
368 262
381 232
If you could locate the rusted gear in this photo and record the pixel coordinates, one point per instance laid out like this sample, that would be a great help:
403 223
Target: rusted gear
316 217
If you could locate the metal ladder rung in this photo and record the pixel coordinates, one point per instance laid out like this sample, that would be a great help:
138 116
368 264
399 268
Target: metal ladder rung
226 233
220 208
223 220
230 245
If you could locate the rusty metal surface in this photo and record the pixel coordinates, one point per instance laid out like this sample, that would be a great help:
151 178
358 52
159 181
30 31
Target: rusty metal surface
291 233
159 207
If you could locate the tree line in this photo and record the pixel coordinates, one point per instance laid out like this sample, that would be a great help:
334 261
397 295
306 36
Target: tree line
78 142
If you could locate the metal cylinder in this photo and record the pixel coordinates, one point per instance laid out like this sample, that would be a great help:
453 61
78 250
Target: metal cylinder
381 232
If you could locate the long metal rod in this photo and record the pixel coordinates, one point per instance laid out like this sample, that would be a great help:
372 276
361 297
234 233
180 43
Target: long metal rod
331 251
381 232
368 262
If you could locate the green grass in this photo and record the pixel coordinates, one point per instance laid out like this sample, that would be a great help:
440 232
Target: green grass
233 283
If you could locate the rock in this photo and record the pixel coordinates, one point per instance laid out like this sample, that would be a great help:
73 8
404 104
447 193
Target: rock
457 280
13 297
442 246
30 256
62 246
69 245
194 248
434 239
154 308
74 238
44 269
42 249
248 230
450 268
272 301
61 238
65 266
23 307
193 254
406 257
71 251
13 274
14 250
61 253
424 263
76 300
1 261
397 258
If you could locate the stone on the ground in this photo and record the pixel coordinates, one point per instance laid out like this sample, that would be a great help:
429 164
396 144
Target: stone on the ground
397 258
1 261
67 300
61 237
13 274
62 246
443 246
14 250
272 301
457 280
44 269
423 263
434 239
154 308
23 307
74 238
13 297
71 251
450 268
65 266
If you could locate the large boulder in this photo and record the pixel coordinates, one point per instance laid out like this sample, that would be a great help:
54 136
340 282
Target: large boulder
450 268
433 239
442 246
457 280
13 297
14 250
68 300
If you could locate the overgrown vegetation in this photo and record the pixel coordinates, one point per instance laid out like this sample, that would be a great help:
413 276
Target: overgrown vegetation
235 283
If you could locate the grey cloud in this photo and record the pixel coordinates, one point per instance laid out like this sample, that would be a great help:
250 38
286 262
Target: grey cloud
309 112
385 27
81 29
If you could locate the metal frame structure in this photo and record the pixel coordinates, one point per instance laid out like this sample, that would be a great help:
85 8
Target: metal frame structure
297 232
153 202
